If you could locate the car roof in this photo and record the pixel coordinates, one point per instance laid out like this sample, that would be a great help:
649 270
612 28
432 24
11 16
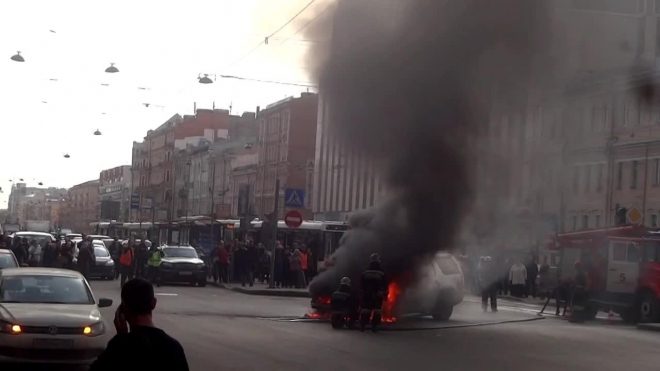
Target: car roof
40 272
28 233
178 246
98 243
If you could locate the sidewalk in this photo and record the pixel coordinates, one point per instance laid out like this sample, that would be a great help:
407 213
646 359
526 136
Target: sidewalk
649 326
262 289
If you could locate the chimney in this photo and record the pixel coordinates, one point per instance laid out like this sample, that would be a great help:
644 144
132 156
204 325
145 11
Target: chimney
258 110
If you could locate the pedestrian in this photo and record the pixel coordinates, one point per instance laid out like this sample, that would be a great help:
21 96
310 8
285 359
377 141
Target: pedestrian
141 258
532 272
126 263
223 264
303 261
374 288
115 250
279 265
488 280
49 254
34 254
311 264
139 345
155 259
243 266
344 306
66 255
85 257
253 260
286 268
21 250
296 269
264 264
517 278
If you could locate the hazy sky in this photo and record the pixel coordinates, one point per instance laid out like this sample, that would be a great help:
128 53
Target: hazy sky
158 45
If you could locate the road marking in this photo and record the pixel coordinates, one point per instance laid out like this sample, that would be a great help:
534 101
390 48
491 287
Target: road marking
166 294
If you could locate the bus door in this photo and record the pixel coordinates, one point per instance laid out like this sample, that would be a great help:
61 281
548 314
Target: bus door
622 267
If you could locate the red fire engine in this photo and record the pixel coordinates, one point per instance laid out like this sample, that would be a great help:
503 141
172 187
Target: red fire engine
623 264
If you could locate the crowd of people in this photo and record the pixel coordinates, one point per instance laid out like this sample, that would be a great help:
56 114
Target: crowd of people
247 262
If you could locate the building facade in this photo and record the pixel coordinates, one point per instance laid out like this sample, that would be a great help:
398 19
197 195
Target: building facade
114 193
286 143
32 203
153 160
81 207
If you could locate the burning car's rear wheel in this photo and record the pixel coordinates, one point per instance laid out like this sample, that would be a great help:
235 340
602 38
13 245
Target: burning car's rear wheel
443 309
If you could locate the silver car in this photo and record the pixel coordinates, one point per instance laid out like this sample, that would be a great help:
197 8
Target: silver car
49 315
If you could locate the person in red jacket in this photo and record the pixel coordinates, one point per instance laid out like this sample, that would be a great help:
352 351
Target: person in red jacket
222 265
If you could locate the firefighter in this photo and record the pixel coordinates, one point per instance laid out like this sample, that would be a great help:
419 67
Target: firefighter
344 305
373 287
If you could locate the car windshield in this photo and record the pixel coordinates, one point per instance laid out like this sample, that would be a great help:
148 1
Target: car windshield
45 290
7 261
179 252
41 240
101 252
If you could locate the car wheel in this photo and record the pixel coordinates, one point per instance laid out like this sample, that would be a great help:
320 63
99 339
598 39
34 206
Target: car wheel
649 308
443 310
202 283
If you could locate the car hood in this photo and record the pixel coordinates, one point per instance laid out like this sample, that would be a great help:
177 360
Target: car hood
182 260
63 315
102 259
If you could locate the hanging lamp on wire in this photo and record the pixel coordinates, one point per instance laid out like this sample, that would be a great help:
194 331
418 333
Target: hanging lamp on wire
66 155
18 57
97 132
205 79
111 69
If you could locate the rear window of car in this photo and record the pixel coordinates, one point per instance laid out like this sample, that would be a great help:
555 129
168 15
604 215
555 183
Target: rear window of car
448 265
7 261
101 252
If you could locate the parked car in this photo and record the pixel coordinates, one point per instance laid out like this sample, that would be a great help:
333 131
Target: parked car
182 264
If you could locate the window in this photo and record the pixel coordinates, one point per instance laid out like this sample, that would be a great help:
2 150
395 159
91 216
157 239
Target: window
597 220
633 175
143 181
619 175
576 178
587 178
574 222
654 220
650 250
167 176
656 171
585 221
599 178
619 251
632 255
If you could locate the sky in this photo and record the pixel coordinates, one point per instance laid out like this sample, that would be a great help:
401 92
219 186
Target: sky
160 46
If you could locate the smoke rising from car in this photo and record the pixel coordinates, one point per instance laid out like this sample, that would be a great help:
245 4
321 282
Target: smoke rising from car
409 85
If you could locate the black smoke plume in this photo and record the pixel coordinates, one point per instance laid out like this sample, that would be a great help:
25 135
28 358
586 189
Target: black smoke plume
409 85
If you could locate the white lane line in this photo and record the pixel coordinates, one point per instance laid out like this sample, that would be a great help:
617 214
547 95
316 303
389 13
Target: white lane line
166 294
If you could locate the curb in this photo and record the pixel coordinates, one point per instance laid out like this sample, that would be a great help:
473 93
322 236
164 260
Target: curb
267 292
649 326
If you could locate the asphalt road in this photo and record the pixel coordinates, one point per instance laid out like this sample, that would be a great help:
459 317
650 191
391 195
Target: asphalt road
224 330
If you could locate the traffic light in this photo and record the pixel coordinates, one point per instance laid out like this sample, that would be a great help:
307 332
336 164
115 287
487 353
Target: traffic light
620 216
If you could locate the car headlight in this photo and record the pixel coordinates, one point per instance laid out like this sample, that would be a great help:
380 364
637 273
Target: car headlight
94 330
166 265
110 262
201 265
10 328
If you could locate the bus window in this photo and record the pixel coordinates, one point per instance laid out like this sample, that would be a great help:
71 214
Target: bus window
632 255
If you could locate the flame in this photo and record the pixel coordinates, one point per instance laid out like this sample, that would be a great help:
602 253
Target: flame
325 300
394 290
317 315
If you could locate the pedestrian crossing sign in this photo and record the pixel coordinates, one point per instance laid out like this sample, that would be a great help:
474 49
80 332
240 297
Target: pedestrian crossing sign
294 197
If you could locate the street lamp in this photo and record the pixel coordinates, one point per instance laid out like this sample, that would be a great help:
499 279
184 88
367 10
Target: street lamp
66 155
97 132
17 57
111 69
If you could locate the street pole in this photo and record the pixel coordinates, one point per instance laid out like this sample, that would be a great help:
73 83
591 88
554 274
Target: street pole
273 240
212 202
646 174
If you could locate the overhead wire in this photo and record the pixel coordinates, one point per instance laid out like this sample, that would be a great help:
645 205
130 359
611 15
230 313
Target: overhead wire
263 42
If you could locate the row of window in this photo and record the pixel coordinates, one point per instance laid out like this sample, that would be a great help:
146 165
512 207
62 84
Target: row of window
590 177
595 221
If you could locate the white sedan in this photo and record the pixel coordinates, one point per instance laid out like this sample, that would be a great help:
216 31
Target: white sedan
49 315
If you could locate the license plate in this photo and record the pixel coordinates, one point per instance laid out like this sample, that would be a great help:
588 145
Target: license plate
185 273
52 343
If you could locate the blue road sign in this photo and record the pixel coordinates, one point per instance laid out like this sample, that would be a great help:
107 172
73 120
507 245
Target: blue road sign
135 201
294 197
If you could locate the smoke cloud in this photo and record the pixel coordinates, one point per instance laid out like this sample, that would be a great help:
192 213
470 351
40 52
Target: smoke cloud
410 85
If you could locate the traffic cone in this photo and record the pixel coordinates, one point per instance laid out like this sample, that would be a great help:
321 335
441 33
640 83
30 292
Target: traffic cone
610 316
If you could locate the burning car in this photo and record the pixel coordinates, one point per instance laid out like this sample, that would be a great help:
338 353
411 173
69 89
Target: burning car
435 290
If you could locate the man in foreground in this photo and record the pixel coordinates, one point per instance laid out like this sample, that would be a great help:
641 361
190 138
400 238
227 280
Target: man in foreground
144 347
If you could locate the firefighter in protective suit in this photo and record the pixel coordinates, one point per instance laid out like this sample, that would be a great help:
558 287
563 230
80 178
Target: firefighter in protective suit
373 287
344 306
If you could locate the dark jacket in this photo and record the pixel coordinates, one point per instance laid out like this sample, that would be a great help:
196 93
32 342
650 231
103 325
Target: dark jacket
85 255
373 283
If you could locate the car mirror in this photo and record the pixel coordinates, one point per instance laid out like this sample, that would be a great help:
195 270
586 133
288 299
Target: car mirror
24 265
104 303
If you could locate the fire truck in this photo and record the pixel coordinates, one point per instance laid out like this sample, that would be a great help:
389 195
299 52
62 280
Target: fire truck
623 263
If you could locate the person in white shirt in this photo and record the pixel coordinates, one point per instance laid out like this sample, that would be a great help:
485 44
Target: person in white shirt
34 254
518 278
